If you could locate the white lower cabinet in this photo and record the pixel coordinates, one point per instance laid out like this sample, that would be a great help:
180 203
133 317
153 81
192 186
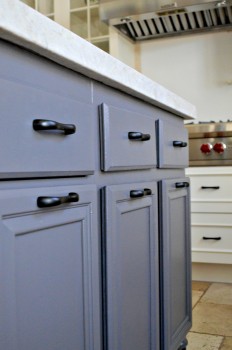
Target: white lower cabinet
211 214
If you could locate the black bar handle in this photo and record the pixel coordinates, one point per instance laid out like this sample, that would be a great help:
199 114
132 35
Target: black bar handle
45 202
181 184
47 125
138 136
140 193
210 187
214 238
180 144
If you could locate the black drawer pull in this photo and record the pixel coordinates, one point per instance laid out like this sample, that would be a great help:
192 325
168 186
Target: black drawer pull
181 184
47 125
138 136
180 144
44 202
210 187
140 193
214 238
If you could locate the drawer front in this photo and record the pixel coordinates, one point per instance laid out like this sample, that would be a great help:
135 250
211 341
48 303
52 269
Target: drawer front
215 248
172 145
28 152
121 150
211 187
212 238
211 207
211 219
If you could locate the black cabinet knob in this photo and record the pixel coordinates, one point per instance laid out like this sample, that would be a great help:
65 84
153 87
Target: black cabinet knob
213 238
179 144
46 201
210 187
140 193
51 125
138 136
181 184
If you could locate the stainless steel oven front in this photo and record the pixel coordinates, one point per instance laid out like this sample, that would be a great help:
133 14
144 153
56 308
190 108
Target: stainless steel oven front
210 143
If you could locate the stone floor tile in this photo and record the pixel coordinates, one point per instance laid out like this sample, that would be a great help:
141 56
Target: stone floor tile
197 341
227 344
196 295
218 293
200 286
212 319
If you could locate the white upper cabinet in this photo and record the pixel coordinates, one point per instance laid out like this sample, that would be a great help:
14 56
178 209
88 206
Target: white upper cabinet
80 16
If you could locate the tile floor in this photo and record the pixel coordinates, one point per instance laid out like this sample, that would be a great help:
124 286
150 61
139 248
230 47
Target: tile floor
212 317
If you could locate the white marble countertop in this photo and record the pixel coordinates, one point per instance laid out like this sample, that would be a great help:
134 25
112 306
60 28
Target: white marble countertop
26 27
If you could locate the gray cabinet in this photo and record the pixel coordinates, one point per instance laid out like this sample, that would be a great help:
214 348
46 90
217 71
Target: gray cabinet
175 249
37 90
172 142
60 288
49 270
128 139
131 266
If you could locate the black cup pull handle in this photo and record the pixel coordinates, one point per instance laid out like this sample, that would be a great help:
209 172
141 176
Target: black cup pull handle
140 193
210 187
138 136
45 202
214 238
180 144
48 125
181 184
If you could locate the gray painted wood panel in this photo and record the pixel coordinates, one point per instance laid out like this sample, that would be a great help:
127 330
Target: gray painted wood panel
118 152
29 153
49 271
49 259
175 249
33 88
131 268
168 155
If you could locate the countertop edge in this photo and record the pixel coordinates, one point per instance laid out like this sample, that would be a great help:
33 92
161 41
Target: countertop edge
29 29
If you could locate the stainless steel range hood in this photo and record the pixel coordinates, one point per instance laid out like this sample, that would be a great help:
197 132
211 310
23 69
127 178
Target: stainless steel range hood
153 19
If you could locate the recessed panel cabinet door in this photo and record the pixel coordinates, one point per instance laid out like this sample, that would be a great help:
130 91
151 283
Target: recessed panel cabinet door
49 292
131 305
175 248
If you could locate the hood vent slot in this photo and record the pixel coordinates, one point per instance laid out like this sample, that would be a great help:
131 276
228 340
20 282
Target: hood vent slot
176 23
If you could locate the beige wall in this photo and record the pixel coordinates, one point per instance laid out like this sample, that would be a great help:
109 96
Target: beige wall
196 67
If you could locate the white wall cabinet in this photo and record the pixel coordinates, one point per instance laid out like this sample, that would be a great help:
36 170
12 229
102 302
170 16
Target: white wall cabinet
80 16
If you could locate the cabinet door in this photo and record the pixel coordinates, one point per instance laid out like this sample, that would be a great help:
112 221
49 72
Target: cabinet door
175 248
49 294
131 305
172 142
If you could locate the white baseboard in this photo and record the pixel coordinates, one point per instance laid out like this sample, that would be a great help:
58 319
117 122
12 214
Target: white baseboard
212 272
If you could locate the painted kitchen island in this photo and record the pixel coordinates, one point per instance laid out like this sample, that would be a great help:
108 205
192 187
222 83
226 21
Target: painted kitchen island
94 203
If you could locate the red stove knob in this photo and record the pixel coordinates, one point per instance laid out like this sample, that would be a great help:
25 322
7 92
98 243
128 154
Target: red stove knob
206 148
219 147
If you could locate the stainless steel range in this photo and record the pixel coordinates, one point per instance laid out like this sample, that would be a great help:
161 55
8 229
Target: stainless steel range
210 143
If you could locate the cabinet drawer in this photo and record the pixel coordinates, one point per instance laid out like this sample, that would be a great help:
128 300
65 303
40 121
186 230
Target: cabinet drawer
30 153
210 219
121 150
212 238
211 187
216 249
172 145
